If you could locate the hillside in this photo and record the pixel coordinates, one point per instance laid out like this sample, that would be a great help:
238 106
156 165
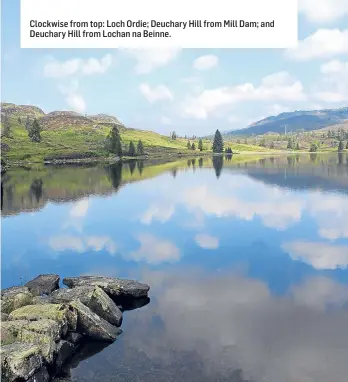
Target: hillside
294 121
343 125
67 135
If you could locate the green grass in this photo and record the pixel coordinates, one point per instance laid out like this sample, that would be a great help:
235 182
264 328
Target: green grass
85 139
88 141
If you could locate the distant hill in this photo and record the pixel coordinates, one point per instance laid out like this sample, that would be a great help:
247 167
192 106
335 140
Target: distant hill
343 125
105 119
68 135
21 111
294 121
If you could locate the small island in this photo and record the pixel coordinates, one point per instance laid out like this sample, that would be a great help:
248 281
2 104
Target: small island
46 329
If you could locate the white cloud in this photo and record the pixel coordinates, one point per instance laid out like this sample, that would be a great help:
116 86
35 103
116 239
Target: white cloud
278 87
330 213
157 93
161 213
81 244
268 337
95 66
73 97
335 82
59 69
277 109
318 292
80 208
205 62
150 59
154 250
324 43
320 255
207 241
329 10
279 212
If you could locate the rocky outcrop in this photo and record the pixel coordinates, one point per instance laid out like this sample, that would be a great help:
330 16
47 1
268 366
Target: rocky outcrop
43 284
94 298
20 361
14 298
112 286
44 330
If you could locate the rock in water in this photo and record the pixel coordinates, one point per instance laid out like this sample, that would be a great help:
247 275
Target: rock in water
44 333
112 286
65 350
43 284
20 361
92 326
64 314
94 298
14 298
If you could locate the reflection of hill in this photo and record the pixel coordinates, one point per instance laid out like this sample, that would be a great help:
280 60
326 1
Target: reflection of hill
25 190
328 173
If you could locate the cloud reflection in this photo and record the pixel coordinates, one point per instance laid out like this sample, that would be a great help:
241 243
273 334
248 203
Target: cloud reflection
320 255
232 321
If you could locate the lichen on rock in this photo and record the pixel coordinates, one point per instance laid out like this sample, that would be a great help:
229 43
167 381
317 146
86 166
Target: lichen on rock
14 298
64 314
94 298
114 287
20 361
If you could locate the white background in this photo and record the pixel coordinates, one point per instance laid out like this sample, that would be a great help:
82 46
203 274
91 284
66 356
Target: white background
283 35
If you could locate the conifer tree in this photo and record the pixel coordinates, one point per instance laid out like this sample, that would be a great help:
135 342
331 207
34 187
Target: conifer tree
140 148
290 144
340 146
188 144
297 146
218 144
193 147
35 131
113 142
200 145
131 150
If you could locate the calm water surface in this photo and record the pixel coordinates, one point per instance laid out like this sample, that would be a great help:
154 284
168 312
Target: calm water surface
247 262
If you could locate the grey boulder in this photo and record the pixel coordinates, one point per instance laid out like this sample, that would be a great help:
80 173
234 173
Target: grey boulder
93 326
43 333
14 298
20 361
43 284
114 287
94 298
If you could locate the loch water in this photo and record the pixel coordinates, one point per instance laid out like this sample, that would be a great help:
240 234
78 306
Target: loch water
246 258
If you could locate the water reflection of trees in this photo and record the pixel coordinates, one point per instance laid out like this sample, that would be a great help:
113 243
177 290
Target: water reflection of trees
132 165
140 165
36 189
114 173
218 162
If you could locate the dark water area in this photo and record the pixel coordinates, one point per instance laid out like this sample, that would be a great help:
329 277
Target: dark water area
246 259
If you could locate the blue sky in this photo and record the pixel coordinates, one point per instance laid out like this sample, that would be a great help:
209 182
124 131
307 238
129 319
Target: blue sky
191 91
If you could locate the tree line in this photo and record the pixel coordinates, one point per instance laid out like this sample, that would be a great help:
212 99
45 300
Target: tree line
33 128
113 144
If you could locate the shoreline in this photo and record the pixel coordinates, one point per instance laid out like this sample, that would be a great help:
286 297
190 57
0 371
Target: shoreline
108 160
45 327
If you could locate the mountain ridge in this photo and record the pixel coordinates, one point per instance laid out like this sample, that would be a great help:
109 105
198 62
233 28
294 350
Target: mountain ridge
298 120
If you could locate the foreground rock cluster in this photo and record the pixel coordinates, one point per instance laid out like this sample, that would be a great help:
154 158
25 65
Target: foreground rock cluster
44 327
